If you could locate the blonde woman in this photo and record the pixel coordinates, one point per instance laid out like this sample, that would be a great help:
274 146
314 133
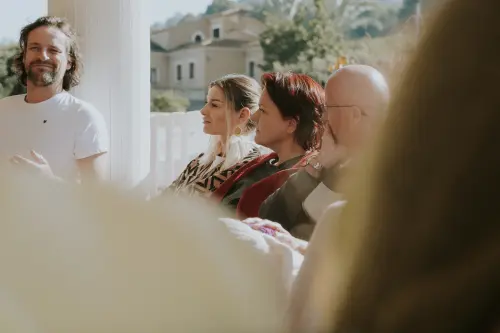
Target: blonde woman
231 100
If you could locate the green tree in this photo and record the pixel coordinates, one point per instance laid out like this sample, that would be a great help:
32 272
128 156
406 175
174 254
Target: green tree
372 19
168 101
283 41
307 43
277 9
314 39
8 80
218 6
408 9
324 36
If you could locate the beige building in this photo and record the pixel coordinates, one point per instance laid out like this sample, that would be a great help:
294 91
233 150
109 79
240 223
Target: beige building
186 57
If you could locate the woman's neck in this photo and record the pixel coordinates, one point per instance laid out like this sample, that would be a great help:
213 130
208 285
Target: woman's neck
221 149
287 151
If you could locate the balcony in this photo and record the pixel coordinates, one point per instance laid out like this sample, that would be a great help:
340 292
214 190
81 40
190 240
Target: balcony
176 138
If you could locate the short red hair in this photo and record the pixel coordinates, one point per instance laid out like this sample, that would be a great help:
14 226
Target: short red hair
298 97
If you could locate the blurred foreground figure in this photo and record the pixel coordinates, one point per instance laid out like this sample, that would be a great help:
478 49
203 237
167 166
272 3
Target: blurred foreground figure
87 260
417 246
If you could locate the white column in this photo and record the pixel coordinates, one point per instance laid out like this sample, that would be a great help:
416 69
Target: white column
114 40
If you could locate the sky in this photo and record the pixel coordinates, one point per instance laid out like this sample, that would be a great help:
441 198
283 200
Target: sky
17 13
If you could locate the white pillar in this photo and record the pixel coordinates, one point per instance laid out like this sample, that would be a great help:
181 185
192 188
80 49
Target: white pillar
114 40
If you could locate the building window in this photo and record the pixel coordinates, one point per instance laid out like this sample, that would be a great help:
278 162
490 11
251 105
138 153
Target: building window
251 69
154 75
179 72
216 33
197 37
191 70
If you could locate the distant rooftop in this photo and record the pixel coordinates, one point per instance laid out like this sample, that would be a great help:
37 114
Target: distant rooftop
156 47
212 43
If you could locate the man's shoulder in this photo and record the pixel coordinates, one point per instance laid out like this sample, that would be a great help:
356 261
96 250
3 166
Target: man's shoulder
79 104
84 110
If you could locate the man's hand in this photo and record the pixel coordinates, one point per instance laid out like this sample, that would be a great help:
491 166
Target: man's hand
331 153
38 165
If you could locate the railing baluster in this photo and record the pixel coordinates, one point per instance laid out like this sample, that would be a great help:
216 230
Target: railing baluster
176 138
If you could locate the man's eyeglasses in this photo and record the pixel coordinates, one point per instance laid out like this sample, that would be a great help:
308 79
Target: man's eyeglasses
363 113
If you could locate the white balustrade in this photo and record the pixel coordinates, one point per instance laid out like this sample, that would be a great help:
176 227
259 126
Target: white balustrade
176 138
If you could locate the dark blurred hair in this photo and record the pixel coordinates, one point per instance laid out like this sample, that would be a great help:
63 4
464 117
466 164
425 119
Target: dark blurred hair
298 97
72 75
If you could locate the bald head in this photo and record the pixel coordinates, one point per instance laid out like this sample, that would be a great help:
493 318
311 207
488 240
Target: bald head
366 89
359 85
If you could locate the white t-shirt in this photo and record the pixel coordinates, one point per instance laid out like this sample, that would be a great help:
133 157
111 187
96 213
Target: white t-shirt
62 129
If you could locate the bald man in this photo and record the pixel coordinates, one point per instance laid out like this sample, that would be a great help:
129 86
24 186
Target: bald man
356 99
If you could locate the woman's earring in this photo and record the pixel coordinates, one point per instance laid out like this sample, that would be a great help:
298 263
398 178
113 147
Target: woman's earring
237 131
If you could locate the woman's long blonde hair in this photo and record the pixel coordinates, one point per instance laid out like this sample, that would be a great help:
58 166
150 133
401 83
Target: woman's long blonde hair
420 237
240 91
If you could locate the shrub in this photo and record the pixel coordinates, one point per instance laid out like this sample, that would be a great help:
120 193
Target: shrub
168 101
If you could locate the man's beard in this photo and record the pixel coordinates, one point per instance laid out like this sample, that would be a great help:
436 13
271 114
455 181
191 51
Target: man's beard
41 79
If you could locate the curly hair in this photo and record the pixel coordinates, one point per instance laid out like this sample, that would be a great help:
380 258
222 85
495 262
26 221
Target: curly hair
299 97
72 76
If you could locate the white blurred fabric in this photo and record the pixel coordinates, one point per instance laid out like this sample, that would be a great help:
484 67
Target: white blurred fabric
80 259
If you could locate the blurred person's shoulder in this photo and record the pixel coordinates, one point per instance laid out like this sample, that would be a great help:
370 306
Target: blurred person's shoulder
102 252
